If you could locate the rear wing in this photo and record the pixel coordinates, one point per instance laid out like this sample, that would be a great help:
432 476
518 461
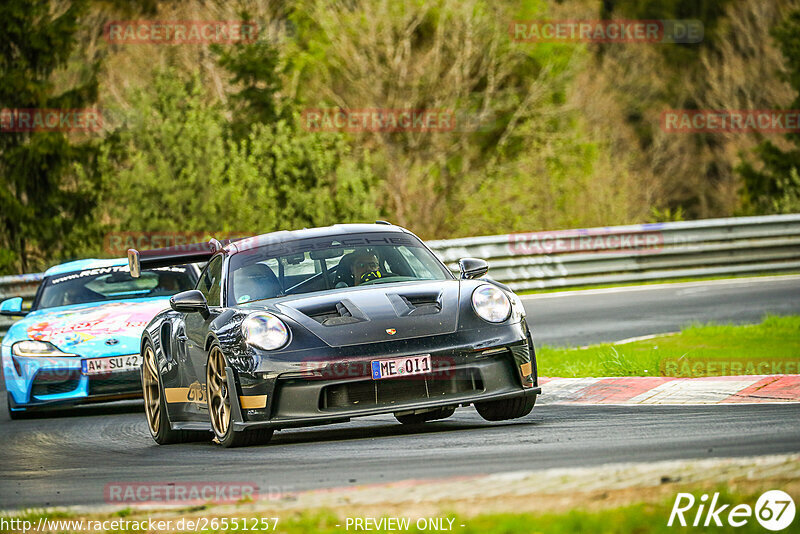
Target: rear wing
165 257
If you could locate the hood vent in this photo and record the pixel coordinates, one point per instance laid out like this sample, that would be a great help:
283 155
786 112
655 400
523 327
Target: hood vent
361 316
413 305
334 314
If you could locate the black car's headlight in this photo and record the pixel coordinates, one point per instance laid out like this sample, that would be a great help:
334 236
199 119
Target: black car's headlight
32 348
491 304
265 331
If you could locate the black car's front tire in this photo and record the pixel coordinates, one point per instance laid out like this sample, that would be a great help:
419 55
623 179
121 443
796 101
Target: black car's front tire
432 415
501 410
155 407
219 394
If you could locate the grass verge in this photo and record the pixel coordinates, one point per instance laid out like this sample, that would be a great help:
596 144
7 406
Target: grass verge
771 347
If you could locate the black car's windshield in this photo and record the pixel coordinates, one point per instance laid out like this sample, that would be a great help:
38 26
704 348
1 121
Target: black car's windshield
113 283
323 264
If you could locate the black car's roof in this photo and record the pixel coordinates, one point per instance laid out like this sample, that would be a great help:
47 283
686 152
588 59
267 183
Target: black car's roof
306 233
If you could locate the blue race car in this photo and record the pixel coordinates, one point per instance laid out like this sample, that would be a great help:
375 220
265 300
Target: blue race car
80 340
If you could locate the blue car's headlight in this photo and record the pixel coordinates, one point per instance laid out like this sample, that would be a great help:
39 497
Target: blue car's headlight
265 331
491 304
31 348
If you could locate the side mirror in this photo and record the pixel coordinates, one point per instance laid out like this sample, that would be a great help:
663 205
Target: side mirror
472 268
12 306
189 302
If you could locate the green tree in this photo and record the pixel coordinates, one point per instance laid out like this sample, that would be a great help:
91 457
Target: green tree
254 72
165 164
42 196
449 55
283 179
306 178
174 165
775 188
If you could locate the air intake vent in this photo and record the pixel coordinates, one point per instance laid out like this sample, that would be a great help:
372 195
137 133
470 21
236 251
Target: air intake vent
416 304
53 382
424 304
362 394
344 312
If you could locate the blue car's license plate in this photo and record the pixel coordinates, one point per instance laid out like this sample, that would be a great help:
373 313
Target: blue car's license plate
113 364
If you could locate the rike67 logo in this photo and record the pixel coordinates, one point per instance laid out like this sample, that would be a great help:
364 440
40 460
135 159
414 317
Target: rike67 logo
774 510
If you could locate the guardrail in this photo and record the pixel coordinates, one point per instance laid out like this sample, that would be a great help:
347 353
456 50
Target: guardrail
617 254
22 285
637 253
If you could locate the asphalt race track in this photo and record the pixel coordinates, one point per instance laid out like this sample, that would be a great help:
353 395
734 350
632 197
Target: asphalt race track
68 458
604 315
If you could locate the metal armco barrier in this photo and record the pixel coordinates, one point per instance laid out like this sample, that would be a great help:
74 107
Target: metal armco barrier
22 285
637 253
617 254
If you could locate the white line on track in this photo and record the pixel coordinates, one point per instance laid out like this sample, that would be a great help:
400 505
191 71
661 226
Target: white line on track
641 338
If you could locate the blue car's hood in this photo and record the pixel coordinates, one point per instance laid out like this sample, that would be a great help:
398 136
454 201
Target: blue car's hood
94 329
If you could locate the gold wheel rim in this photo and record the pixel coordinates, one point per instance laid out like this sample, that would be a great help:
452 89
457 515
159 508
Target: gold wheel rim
152 393
219 402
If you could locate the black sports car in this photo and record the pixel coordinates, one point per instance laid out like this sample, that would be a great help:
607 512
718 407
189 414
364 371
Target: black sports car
320 325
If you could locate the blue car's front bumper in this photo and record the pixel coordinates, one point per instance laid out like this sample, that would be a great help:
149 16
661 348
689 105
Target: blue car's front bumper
36 381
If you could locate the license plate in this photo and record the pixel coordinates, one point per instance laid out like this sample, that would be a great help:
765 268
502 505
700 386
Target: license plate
114 364
411 365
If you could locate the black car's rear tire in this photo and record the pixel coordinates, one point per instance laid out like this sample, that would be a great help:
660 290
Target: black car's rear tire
501 410
155 406
219 393
419 418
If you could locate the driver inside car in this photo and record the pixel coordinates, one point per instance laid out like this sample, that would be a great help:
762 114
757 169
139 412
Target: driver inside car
365 267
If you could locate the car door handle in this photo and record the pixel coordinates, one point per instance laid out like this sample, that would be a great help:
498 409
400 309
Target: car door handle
181 337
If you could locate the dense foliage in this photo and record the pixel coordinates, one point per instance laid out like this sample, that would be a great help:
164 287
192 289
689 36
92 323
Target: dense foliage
776 187
42 198
213 139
